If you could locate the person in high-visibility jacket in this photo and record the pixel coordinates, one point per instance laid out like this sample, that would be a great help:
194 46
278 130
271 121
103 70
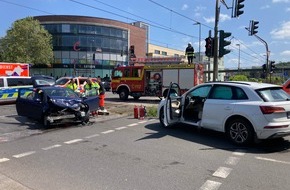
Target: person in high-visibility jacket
71 84
101 95
91 88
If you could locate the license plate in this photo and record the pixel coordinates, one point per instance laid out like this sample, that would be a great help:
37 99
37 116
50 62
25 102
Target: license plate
83 114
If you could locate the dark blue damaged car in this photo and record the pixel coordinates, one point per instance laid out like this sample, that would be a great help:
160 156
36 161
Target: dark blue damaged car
52 105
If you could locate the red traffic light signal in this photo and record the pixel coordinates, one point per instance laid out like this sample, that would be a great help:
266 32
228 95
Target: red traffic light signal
209 45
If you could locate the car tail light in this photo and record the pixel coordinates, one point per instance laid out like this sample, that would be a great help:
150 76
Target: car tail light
271 109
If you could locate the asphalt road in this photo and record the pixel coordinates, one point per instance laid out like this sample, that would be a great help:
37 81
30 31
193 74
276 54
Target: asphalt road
127 153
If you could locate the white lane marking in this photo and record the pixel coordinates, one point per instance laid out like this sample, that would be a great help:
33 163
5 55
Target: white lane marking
239 153
73 141
4 159
222 172
23 154
51 147
120 128
92 136
272 160
109 131
133 124
232 160
210 185
142 121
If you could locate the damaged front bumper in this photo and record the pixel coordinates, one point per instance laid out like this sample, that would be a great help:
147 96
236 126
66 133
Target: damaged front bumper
76 116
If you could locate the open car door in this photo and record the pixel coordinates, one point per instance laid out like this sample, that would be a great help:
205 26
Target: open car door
172 108
28 105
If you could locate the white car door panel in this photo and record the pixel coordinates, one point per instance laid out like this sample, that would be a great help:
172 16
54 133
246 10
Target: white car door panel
214 113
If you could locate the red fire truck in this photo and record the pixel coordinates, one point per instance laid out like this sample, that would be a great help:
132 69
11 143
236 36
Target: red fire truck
152 76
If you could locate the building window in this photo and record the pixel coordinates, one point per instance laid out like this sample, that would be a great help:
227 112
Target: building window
164 53
156 52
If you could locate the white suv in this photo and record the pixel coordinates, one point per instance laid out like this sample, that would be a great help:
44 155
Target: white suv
243 110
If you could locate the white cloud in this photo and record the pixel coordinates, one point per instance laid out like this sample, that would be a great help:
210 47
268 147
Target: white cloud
209 20
224 17
285 53
199 8
184 7
281 1
283 32
265 7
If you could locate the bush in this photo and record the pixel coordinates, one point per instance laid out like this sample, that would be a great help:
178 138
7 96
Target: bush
151 111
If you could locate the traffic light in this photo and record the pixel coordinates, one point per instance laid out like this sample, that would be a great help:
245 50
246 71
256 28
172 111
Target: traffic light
238 8
94 56
264 68
253 27
272 66
223 43
209 46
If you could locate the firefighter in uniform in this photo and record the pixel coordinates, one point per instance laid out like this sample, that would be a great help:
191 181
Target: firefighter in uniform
189 52
102 90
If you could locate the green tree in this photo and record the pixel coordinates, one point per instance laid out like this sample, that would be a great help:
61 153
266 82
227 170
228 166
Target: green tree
239 78
27 42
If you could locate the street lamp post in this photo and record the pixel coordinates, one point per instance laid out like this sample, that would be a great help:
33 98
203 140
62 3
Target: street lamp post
198 23
239 61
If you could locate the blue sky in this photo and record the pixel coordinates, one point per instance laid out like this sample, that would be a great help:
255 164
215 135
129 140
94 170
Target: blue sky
173 22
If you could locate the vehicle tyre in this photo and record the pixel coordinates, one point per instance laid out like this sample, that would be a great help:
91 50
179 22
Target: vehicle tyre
240 131
45 121
124 93
86 119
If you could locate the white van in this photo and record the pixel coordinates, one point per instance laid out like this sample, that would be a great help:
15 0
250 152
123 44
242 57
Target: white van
9 86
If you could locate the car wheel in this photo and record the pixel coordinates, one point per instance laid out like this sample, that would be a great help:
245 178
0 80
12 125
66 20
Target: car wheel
46 122
123 95
86 119
240 131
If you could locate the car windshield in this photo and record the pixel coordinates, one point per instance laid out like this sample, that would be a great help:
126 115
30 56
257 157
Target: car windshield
44 81
61 92
61 81
273 94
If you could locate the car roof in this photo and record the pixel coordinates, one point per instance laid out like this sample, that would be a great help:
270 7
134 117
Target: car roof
253 85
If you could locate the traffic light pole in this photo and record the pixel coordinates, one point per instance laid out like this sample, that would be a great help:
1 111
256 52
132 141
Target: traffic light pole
215 54
267 55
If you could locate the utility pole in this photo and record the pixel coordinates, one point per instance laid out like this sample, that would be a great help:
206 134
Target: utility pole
239 60
215 57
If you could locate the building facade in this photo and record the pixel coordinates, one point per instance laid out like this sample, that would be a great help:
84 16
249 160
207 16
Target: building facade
90 46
